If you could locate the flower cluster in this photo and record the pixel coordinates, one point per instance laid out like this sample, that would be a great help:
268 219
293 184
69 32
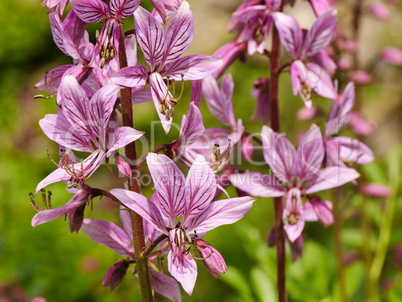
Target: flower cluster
95 97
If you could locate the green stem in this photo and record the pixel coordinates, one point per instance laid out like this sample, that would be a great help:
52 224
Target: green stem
131 154
382 246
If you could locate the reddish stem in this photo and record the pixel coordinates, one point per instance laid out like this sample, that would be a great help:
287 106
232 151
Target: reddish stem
278 204
131 154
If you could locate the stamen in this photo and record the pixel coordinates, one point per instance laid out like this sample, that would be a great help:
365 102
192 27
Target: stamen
34 204
41 96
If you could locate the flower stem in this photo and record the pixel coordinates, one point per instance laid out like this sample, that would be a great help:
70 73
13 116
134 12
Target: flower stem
131 154
338 245
356 21
278 204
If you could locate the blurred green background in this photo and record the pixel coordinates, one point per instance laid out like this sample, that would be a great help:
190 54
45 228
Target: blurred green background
49 261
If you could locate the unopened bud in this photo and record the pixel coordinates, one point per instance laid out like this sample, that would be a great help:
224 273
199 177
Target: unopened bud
115 275
212 259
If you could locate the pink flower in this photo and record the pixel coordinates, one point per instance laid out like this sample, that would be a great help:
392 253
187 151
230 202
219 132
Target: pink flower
297 173
183 210
162 50
85 125
308 77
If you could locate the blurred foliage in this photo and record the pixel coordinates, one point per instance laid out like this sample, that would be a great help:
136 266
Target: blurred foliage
49 261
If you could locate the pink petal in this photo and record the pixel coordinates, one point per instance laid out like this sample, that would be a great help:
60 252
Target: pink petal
323 59
131 76
293 231
192 126
341 110
100 109
165 286
179 33
57 175
280 154
110 235
320 34
290 33
122 136
51 81
310 153
320 6
90 11
352 150
169 184
150 37
193 67
75 104
183 270
200 188
257 184
320 80
220 212
44 216
57 128
331 177
123 8
219 101
142 206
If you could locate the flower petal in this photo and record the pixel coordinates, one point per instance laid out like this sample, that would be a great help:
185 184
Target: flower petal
150 36
110 235
90 11
290 33
353 150
123 8
131 76
122 136
169 184
141 205
75 104
311 153
341 110
179 33
220 212
192 126
57 175
220 101
184 270
44 216
100 109
320 33
200 188
165 286
257 184
58 129
193 67
331 177
280 154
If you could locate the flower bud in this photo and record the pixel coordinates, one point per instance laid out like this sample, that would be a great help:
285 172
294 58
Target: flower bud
360 77
375 189
392 55
212 259
115 274
380 11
